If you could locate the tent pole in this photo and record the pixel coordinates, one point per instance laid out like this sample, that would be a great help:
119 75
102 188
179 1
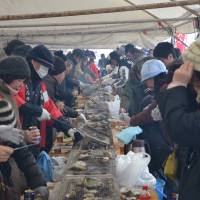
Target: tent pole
97 23
99 11
82 33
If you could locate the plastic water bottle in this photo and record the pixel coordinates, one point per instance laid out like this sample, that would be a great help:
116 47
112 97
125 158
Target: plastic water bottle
145 195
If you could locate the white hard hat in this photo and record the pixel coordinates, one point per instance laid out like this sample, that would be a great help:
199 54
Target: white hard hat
152 68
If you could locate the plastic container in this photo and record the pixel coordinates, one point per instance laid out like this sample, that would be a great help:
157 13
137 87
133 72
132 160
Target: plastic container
160 184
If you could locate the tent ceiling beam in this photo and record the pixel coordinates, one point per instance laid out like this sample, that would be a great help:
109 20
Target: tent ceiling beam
99 11
99 23
189 10
152 15
81 33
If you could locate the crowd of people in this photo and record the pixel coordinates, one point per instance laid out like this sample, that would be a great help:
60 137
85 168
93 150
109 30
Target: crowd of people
39 87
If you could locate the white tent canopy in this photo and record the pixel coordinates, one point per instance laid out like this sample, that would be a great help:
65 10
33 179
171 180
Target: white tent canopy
78 25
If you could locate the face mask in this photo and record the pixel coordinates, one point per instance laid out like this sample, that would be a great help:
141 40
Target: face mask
43 71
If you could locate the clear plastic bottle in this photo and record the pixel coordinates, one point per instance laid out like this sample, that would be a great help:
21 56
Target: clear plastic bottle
145 195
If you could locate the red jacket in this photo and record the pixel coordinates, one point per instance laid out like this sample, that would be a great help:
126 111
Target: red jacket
94 69
48 105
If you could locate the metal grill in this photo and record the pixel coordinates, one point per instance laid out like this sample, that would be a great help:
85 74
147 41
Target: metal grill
89 144
97 162
91 187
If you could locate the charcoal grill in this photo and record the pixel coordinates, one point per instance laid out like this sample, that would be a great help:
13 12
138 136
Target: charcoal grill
97 162
77 187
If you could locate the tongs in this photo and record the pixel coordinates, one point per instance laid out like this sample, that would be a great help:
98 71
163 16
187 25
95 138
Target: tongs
85 134
25 146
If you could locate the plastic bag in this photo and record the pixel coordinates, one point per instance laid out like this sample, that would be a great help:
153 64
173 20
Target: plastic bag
45 163
146 178
129 168
114 107
171 165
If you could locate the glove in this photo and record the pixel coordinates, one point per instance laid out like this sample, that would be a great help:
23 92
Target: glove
13 135
43 192
82 118
76 136
45 115
156 115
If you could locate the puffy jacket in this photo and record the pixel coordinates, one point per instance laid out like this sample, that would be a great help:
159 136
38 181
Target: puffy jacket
182 118
132 95
31 98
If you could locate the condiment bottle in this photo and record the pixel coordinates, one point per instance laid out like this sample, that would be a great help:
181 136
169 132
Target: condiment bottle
145 195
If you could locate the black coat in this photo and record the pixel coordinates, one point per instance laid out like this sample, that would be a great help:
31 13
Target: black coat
27 164
182 118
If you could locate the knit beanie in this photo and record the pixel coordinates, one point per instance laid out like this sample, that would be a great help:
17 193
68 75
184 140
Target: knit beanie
59 66
15 66
42 55
192 54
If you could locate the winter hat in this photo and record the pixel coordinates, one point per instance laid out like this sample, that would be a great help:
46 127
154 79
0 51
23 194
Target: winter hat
7 114
15 66
78 52
42 55
192 54
12 45
22 50
152 68
59 66
128 47
60 54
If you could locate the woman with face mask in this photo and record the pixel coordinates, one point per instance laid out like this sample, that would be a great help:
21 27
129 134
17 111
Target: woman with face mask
35 106
181 114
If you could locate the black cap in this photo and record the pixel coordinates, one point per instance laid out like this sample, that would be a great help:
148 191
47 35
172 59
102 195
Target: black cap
22 50
163 49
60 54
114 56
12 45
42 55
78 52
59 66
15 66
128 47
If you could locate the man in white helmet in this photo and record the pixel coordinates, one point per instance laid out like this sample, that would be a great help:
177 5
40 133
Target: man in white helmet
153 71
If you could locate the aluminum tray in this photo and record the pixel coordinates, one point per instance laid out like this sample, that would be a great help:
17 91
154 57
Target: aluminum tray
96 162
102 187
